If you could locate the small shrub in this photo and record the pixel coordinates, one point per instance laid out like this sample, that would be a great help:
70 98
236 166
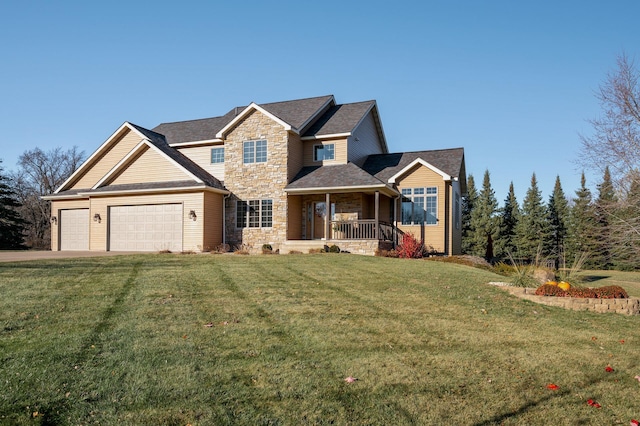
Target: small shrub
316 250
611 292
334 249
411 247
242 249
550 290
386 253
267 249
222 248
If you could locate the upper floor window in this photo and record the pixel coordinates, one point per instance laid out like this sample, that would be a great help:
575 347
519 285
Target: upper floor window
420 206
324 152
254 152
217 155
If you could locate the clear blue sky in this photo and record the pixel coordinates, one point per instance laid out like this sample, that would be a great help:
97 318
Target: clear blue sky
510 81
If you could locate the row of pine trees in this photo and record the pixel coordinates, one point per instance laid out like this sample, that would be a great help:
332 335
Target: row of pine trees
557 232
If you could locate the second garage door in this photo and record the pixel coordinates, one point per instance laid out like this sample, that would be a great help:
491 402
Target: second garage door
152 227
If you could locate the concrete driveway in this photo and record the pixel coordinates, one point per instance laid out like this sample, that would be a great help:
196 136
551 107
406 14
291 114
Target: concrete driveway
17 256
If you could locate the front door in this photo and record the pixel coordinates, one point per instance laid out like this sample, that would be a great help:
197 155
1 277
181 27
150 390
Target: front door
319 213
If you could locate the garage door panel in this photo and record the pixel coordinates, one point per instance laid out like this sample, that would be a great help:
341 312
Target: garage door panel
74 229
151 227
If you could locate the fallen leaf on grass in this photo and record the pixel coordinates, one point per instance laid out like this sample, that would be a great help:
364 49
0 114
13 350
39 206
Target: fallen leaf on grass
622 341
635 423
350 379
592 403
608 369
637 378
209 324
553 386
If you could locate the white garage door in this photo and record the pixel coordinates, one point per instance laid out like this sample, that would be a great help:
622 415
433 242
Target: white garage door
151 227
74 229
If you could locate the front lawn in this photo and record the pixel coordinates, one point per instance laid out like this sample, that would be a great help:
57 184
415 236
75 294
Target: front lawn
225 339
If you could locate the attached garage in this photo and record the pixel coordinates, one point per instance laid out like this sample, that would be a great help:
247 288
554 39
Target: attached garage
74 229
151 227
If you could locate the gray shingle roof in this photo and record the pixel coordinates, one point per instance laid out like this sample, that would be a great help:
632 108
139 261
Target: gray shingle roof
195 130
340 119
334 176
450 161
298 112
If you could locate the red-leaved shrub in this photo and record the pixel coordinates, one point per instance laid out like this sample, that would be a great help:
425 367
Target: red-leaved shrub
410 248
550 290
611 292
582 292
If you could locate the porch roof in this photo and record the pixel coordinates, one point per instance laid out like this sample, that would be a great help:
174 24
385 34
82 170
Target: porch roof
337 178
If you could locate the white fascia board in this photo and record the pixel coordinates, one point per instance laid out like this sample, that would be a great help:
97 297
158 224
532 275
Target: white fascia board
393 178
95 154
195 143
62 197
152 190
340 189
253 106
330 136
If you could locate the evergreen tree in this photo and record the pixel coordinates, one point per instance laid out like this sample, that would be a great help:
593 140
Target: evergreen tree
468 203
11 225
484 220
532 228
557 211
509 217
605 211
583 238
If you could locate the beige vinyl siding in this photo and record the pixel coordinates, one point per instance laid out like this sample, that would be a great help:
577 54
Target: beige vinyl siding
192 233
201 155
105 162
340 152
56 207
150 166
212 237
294 156
364 141
294 217
433 235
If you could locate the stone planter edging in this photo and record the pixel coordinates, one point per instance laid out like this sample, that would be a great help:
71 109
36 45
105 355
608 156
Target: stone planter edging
630 306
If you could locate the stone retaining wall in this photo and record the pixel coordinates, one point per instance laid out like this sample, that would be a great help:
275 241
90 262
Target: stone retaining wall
630 306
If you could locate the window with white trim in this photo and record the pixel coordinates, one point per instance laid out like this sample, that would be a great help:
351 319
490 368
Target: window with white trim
420 206
324 152
217 155
254 214
254 151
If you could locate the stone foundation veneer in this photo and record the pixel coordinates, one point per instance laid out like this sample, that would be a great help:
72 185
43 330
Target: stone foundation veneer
630 306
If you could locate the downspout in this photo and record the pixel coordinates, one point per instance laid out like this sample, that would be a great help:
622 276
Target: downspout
224 219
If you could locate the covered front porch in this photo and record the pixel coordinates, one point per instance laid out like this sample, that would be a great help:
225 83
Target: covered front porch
358 222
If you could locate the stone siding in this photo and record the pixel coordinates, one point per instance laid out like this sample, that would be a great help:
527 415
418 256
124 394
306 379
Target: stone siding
630 306
256 181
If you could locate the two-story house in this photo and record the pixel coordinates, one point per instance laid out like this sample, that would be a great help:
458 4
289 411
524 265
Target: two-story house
293 174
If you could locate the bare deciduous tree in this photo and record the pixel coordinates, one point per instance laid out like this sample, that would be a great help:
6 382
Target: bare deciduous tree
615 143
41 173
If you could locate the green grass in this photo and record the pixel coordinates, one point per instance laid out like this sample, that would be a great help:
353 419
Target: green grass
123 340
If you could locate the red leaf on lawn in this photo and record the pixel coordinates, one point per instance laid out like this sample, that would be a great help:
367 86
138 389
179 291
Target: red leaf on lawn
350 379
635 423
608 369
622 341
592 403
594 338
552 386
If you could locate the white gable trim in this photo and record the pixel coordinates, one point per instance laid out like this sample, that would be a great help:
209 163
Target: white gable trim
97 152
196 143
327 136
253 107
135 151
415 162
